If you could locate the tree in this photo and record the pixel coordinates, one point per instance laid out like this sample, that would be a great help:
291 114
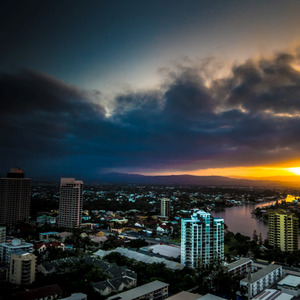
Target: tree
260 240
255 236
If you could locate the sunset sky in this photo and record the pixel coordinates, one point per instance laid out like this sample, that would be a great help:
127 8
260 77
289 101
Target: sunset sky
150 87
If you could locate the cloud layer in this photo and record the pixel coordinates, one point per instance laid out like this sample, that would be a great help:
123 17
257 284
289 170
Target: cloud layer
249 118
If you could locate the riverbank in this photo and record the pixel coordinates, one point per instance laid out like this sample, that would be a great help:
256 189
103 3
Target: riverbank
240 219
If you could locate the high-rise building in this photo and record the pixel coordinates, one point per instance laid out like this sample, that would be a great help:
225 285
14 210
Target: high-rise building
14 197
22 268
165 207
70 203
202 239
2 234
283 230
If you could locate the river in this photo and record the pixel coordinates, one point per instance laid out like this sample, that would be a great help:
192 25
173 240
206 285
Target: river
239 219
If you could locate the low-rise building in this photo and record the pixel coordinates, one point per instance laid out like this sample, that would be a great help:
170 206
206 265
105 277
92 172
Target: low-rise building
45 236
76 296
261 280
164 250
138 256
42 248
184 295
62 265
240 267
8 248
44 219
271 294
120 278
153 290
48 292
117 284
290 285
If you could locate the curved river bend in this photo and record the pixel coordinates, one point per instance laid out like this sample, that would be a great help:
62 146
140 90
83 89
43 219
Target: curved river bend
239 219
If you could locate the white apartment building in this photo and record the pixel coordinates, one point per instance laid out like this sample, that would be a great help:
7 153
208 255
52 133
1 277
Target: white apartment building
155 290
261 280
290 285
240 267
70 203
202 239
8 248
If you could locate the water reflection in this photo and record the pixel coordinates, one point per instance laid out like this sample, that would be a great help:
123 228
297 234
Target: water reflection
239 219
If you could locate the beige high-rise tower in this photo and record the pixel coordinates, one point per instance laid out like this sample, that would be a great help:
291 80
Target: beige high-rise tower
14 198
70 203
283 230
165 207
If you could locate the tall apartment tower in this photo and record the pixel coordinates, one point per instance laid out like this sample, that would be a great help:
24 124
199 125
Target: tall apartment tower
202 239
283 230
165 207
70 203
2 234
14 197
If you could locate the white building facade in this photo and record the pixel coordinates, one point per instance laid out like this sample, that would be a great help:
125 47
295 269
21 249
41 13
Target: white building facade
16 245
70 203
261 280
202 239
290 285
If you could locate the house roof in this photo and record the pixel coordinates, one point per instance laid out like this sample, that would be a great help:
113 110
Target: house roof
142 257
39 293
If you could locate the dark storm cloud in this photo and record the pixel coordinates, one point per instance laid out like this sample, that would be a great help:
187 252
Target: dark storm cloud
266 85
40 116
249 118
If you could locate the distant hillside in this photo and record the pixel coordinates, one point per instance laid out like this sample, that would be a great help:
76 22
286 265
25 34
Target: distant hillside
181 180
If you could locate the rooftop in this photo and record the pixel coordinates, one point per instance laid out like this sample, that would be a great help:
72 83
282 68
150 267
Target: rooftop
273 294
139 291
261 273
290 280
16 243
210 297
184 295
48 233
238 263
165 250
142 257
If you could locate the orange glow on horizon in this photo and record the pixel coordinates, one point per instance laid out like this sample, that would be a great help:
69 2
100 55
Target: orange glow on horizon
242 172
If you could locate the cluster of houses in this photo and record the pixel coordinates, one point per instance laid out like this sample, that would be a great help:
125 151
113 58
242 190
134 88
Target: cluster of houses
270 281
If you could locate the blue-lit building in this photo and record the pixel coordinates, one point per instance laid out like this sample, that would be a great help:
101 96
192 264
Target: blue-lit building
202 239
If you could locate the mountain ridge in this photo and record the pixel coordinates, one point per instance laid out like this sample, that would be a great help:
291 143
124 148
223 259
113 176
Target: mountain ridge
184 179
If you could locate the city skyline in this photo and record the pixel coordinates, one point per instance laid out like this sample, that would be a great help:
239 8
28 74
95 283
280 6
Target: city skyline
201 88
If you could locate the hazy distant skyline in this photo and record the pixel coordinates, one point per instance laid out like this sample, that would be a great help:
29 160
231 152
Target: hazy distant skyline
152 87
